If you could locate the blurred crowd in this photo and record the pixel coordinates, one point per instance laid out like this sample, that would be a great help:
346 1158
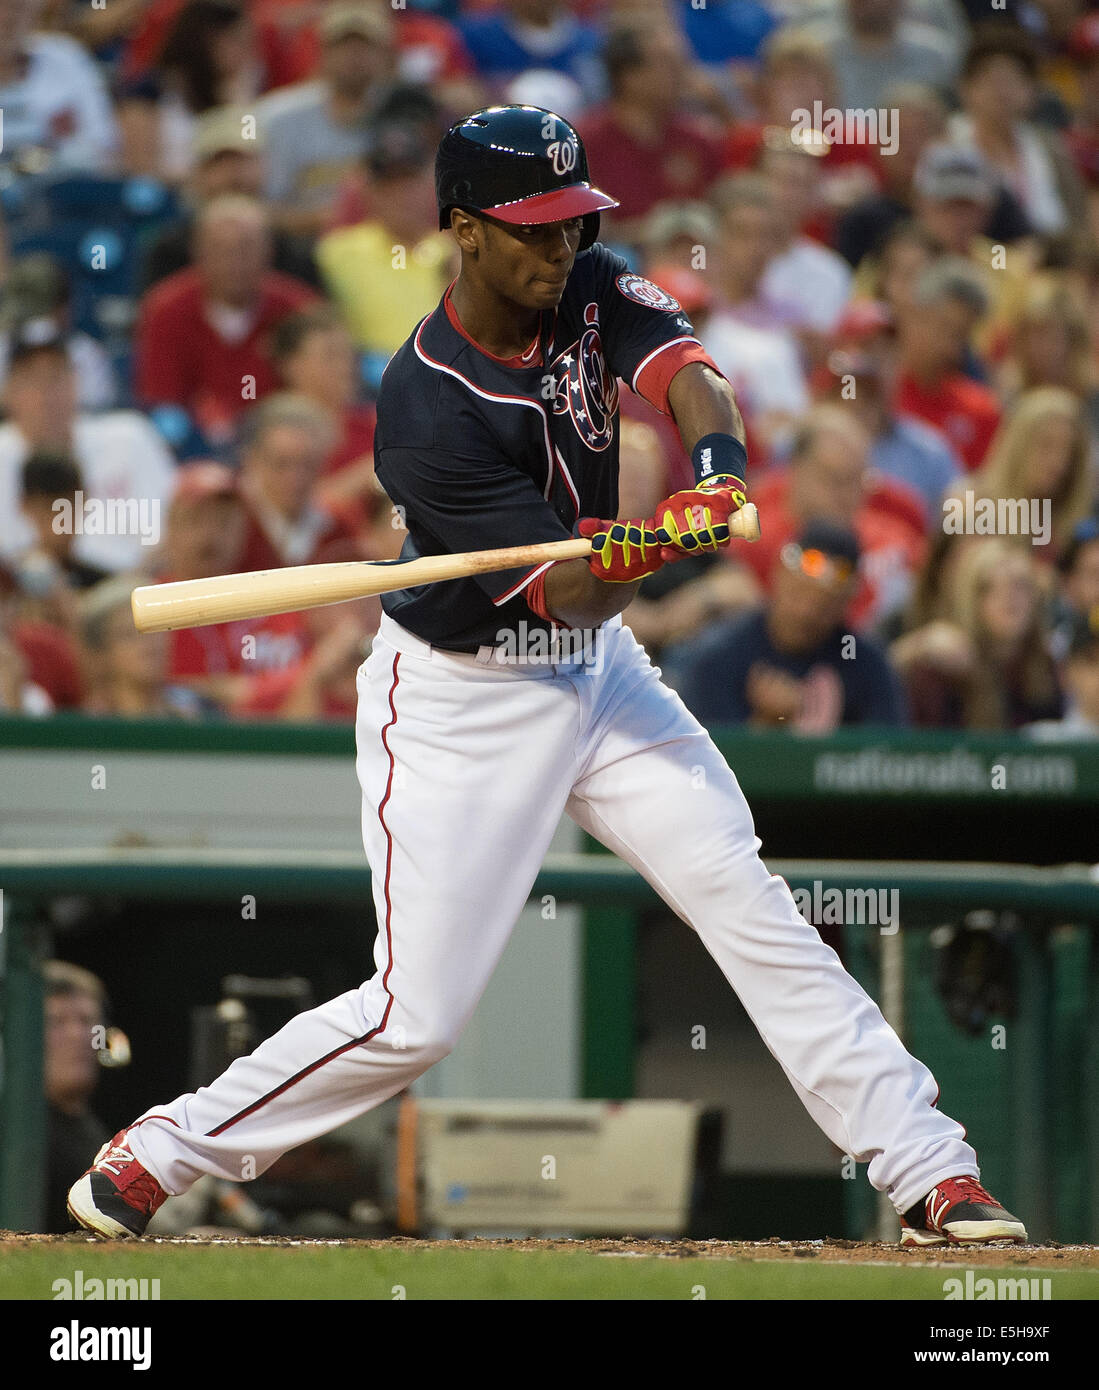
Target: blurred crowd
882 217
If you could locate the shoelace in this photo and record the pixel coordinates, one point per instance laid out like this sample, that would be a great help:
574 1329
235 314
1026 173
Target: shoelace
973 1189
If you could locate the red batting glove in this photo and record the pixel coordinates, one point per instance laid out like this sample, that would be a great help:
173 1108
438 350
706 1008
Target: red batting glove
697 519
622 551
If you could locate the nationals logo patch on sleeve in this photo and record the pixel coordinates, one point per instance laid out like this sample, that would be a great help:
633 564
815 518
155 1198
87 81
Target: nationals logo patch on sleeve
643 291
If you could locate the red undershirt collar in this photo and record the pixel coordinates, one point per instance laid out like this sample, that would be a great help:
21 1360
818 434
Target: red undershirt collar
530 358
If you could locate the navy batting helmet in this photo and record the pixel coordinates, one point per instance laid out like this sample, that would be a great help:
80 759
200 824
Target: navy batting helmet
519 164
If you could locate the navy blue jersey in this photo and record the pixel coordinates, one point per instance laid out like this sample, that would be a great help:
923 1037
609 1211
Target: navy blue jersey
480 454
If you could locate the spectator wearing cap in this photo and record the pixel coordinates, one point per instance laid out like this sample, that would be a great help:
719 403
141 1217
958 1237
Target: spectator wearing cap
987 665
874 45
37 288
201 341
857 370
318 131
954 195
933 337
118 452
285 442
673 233
526 34
998 88
56 110
793 664
810 278
128 670
910 182
381 301
316 358
827 478
205 536
228 159
640 139
1080 680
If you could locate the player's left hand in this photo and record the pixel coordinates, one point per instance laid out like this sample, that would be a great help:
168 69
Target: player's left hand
697 519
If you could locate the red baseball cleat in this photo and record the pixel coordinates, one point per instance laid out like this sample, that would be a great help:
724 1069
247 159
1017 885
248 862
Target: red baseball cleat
116 1197
959 1212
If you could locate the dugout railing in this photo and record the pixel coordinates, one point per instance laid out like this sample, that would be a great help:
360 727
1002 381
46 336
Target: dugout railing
1047 1144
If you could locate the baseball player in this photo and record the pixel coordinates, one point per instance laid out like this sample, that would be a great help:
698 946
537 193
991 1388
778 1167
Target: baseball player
482 718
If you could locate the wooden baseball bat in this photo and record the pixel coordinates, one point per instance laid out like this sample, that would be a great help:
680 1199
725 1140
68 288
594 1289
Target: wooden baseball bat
230 597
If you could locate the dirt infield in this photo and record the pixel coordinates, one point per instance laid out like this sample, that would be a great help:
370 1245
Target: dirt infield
1000 1254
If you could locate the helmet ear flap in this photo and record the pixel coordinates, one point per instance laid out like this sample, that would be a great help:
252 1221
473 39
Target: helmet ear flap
590 232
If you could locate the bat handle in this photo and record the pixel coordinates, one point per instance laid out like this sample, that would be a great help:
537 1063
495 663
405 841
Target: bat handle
744 524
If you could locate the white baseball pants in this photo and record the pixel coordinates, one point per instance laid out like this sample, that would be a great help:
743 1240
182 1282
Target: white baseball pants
466 768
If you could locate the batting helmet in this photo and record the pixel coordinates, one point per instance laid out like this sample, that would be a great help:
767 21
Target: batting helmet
520 164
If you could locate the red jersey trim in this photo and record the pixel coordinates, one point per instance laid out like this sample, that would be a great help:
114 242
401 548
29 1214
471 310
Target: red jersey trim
526 579
655 372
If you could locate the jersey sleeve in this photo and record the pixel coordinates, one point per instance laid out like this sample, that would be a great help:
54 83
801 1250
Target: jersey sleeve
647 336
454 503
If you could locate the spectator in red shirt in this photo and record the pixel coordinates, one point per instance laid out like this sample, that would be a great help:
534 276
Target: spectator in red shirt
201 333
39 660
286 442
322 685
639 140
829 479
933 336
205 535
315 357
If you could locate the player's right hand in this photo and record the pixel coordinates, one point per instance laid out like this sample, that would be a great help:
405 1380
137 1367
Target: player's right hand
622 551
697 519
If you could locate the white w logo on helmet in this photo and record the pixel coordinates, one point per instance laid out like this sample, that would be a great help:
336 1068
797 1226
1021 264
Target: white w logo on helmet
563 153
